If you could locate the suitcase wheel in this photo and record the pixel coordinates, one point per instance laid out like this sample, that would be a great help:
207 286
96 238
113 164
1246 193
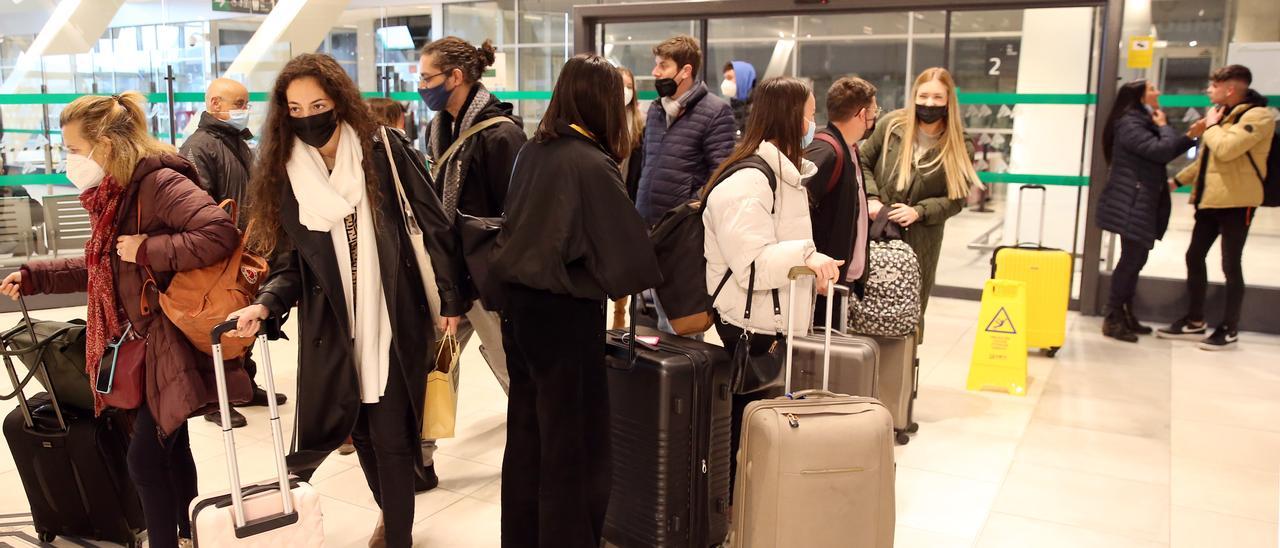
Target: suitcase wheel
913 428
1052 351
902 438
46 537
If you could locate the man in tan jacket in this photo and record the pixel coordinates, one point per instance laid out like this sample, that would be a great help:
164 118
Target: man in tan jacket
1227 188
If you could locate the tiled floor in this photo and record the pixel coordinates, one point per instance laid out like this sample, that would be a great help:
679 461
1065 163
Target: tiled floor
1115 445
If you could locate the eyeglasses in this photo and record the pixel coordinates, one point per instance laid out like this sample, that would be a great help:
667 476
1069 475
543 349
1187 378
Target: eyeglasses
424 78
874 113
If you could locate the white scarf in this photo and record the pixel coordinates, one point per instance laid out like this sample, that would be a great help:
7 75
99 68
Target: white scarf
324 200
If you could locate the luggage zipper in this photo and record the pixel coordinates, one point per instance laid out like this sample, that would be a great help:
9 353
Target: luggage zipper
792 420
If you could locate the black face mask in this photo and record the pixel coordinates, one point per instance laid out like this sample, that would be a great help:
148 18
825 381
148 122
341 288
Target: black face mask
871 127
666 86
315 130
930 114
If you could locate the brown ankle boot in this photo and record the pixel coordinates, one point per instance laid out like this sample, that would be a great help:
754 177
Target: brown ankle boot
1116 326
620 313
379 537
1134 325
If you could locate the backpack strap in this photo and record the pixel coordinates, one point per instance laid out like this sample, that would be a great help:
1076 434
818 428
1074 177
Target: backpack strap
830 139
462 138
1248 153
750 162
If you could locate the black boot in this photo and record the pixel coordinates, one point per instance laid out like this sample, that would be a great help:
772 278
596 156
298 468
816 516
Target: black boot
1134 326
1116 326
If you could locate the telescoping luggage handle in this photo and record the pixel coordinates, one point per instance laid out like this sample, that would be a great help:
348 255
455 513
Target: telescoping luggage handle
1044 203
795 274
39 368
288 515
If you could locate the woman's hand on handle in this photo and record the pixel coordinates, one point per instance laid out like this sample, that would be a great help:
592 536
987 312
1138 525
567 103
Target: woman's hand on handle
127 247
12 285
449 324
825 268
904 214
249 320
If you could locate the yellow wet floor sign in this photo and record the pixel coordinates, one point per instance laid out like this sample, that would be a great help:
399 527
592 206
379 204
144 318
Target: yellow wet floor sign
1000 350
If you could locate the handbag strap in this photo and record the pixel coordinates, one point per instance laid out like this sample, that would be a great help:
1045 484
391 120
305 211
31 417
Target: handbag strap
751 288
462 138
406 210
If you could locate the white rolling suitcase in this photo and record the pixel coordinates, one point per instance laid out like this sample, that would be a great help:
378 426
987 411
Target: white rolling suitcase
279 513
814 468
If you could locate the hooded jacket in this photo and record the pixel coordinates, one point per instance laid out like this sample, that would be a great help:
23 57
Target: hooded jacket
747 222
222 156
1135 203
185 231
678 160
1222 176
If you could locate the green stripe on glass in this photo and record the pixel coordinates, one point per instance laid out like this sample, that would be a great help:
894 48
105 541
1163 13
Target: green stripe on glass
1024 178
1026 98
34 179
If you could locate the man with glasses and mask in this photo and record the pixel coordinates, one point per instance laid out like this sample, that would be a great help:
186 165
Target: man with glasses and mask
220 151
837 195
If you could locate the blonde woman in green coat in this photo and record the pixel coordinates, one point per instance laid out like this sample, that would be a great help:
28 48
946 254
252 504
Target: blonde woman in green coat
918 168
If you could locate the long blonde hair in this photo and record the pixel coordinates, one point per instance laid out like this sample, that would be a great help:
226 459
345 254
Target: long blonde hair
121 121
953 154
635 122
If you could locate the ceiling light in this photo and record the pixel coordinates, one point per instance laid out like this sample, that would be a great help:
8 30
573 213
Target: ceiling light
1192 43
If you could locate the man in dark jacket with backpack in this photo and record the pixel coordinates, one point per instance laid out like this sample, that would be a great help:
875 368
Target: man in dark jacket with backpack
220 151
837 196
1228 179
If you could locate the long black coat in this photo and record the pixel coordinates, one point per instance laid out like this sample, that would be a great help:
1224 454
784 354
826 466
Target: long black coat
305 274
1135 203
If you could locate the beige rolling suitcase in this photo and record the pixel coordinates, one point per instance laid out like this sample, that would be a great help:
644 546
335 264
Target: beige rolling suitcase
814 468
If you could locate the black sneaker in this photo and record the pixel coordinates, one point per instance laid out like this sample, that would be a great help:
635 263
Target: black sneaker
260 398
1221 339
426 479
1182 329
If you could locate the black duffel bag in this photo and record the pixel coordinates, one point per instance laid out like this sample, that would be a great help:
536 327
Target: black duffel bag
63 354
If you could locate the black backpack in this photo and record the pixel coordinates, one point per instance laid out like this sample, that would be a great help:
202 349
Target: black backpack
678 243
1270 183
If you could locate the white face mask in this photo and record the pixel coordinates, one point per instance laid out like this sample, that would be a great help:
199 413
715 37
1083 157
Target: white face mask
728 88
627 95
83 172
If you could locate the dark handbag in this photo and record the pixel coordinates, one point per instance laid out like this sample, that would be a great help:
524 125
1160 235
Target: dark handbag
761 372
61 349
120 371
478 235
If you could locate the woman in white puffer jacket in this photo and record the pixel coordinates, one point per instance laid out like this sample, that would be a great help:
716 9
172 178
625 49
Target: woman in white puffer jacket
748 223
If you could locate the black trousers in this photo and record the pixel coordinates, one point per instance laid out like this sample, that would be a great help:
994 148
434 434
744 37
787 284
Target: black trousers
386 437
1233 225
165 476
1124 279
729 335
556 470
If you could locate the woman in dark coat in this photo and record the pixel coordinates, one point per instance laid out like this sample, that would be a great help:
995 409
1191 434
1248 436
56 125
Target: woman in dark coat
1135 204
571 240
327 211
149 219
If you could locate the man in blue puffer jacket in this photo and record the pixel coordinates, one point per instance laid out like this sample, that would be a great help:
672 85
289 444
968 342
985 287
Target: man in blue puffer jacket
687 134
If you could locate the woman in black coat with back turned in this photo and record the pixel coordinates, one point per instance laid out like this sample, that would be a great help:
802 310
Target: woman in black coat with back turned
1135 204
326 209
571 240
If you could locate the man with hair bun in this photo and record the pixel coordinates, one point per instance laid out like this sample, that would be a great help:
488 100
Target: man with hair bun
473 180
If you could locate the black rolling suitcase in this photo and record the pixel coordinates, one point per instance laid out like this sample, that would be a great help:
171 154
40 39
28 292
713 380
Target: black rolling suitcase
670 418
72 465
